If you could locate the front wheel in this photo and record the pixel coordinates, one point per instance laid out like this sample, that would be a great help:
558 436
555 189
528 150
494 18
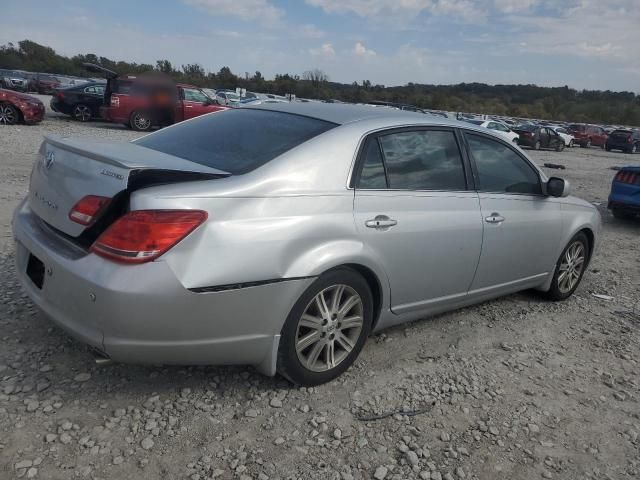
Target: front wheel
536 146
8 114
560 147
326 329
141 121
588 144
570 268
570 143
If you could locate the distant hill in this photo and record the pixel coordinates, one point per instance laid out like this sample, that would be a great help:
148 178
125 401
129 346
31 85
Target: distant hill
554 103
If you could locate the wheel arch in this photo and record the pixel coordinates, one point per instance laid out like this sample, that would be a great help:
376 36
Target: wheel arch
349 254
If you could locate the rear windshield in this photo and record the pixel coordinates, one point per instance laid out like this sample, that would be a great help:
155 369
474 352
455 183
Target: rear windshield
577 128
526 128
236 141
621 132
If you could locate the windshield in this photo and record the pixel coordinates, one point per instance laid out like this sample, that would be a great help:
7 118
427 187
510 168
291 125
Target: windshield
476 122
236 141
526 128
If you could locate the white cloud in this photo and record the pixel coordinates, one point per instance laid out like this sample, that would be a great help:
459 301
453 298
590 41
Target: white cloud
244 9
512 6
326 51
361 51
467 10
583 29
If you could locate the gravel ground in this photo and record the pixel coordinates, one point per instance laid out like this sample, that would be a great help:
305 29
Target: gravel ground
516 388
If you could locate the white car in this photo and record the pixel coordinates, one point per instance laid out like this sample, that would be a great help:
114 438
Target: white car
499 128
564 134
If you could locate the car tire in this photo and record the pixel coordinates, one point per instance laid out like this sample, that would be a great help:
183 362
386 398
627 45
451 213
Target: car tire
562 287
314 338
571 144
82 113
140 121
9 115
560 147
536 146
588 144
633 148
607 148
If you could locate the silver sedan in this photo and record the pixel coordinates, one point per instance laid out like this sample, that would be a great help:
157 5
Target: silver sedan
282 236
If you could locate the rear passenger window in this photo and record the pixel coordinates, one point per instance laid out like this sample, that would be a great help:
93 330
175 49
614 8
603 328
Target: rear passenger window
500 169
372 175
423 160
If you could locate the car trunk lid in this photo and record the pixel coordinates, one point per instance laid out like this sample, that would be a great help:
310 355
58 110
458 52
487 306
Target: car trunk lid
67 170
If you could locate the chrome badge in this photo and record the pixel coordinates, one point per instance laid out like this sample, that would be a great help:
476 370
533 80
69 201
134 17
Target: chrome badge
49 159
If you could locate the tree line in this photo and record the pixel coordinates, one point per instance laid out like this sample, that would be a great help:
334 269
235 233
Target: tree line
529 101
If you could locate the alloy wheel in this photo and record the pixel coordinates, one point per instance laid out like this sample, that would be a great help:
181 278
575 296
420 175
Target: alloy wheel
141 121
329 328
82 113
571 267
7 115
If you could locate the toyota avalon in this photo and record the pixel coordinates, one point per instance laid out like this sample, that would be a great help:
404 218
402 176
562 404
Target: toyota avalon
281 236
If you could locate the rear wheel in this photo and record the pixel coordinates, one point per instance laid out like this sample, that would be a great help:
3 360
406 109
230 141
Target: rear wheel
570 268
560 147
140 121
588 144
570 143
536 146
82 113
633 148
326 329
9 114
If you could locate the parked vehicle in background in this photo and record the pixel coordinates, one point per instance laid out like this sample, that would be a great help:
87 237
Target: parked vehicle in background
16 107
46 84
257 239
498 127
564 134
588 135
82 102
623 139
13 80
624 199
227 97
146 101
537 137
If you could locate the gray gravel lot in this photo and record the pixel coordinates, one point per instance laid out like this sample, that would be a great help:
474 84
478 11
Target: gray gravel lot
516 388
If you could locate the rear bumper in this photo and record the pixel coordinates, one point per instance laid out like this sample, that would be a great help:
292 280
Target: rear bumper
625 197
142 313
624 146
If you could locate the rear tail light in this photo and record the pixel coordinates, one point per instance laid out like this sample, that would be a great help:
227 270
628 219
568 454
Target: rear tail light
143 235
88 209
628 177
629 139
115 101
60 95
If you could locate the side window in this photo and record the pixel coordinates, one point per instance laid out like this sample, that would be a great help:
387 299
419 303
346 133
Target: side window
423 160
372 175
193 95
91 90
501 169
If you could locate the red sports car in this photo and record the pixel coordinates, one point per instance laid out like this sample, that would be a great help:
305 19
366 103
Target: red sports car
18 107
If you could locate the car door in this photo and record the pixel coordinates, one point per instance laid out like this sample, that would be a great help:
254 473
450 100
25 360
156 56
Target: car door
416 215
522 227
195 102
544 137
93 97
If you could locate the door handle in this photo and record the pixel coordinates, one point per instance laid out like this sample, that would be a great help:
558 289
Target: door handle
495 217
188 106
381 222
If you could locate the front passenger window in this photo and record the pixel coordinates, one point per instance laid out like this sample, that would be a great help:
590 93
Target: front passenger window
501 169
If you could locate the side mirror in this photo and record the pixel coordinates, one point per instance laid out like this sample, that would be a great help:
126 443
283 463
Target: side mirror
558 187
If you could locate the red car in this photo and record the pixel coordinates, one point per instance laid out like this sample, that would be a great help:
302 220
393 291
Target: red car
588 135
142 102
18 107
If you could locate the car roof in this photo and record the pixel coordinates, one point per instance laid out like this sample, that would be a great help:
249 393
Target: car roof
341 113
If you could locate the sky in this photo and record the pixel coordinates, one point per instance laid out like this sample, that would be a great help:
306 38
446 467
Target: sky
586 44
